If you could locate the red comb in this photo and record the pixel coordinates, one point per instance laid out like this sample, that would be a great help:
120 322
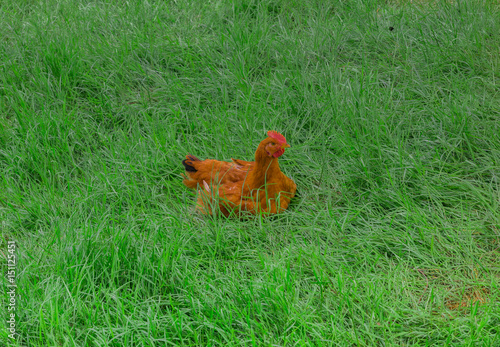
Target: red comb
277 136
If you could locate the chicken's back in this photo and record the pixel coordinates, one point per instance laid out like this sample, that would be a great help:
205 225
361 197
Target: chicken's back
213 172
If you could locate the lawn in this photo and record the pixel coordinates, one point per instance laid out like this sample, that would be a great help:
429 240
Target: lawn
392 109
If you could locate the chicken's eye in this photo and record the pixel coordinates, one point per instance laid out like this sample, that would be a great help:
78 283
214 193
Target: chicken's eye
273 144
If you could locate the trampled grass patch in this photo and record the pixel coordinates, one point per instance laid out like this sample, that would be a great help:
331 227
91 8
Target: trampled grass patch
392 110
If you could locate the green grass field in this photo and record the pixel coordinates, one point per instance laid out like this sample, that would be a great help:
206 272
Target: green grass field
393 114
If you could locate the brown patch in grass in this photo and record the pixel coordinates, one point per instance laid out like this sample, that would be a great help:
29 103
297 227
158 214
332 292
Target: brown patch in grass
470 297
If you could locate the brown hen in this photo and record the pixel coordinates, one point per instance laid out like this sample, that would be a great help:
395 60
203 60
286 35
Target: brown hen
242 186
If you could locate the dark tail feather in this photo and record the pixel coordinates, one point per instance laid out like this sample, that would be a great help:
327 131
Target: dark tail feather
188 167
192 157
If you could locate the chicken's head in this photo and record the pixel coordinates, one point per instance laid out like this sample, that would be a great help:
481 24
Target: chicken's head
275 144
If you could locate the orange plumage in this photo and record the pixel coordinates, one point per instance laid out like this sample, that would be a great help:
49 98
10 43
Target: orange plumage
238 186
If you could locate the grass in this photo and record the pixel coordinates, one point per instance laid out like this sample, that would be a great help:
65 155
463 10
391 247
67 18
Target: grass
394 239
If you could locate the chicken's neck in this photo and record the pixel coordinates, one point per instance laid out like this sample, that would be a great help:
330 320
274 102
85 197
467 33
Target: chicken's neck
265 168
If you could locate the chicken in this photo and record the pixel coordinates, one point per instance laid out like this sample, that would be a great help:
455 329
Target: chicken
238 186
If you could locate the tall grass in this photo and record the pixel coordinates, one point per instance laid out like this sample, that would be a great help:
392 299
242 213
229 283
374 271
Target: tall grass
392 111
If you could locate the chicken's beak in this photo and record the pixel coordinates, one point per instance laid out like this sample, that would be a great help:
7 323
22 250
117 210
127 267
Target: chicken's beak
286 145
